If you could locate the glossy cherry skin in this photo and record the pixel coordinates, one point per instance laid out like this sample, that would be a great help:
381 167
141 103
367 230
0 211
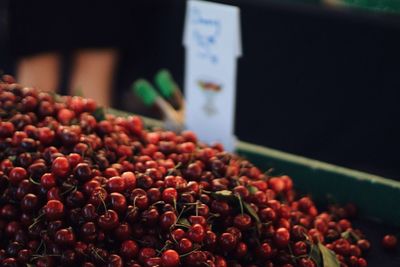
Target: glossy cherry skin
170 258
108 220
54 210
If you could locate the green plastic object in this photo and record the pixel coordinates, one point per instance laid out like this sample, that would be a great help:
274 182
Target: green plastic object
165 83
145 91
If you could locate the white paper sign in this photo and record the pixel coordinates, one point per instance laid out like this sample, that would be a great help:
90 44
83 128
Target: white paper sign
213 44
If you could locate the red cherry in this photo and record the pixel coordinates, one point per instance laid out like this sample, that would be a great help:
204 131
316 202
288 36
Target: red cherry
242 221
342 246
267 215
276 184
60 167
150 216
123 231
77 104
9 211
16 175
170 258
242 191
169 195
65 237
108 220
282 237
47 181
167 219
115 261
146 253
299 248
363 244
154 195
241 250
389 242
177 234
362 262
90 186
9 262
74 159
265 250
116 184
54 210
185 246
118 202
29 203
227 241
98 196
210 240
130 180
153 261
196 233
198 220
129 249
6 129
82 171
65 115
46 135
305 262
196 258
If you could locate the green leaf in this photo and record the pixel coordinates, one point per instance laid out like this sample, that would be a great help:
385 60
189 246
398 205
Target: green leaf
56 97
252 189
350 235
315 255
12 158
253 214
224 195
184 221
328 257
99 114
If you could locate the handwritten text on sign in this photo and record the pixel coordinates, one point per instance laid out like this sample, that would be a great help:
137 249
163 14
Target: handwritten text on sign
212 41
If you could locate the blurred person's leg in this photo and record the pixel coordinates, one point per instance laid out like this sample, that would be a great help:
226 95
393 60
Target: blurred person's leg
41 71
93 73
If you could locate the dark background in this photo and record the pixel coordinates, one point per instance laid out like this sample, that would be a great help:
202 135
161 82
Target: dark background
314 81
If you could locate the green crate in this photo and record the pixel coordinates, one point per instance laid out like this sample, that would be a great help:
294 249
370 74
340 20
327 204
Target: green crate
374 196
392 6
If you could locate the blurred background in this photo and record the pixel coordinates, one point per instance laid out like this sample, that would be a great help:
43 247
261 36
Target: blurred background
318 78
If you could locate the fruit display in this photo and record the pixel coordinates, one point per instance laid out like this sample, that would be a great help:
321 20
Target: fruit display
82 188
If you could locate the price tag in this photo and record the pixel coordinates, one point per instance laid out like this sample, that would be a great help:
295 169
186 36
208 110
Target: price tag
213 43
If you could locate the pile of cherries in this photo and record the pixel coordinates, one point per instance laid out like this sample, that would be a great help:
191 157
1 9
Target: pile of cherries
78 189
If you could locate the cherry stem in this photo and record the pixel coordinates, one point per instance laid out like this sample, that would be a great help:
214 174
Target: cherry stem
33 181
175 204
177 219
36 221
38 256
177 166
240 203
70 189
103 202
134 201
167 244
190 252
291 254
40 245
98 255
